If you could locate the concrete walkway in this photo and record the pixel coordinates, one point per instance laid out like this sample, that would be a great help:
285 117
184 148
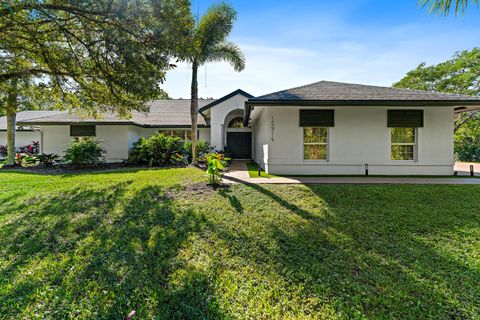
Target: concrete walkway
238 174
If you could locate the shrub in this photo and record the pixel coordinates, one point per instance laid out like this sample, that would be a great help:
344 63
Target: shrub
29 149
47 159
84 151
468 150
157 150
3 151
467 141
202 148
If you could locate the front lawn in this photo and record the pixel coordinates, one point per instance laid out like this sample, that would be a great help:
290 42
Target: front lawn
99 245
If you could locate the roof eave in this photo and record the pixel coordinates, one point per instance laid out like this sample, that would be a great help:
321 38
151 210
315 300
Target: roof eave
472 104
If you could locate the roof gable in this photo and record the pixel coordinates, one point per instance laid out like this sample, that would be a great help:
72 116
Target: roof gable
224 98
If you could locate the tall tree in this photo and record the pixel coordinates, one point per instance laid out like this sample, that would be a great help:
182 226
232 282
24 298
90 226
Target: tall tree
460 75
93 55
208 43
445 6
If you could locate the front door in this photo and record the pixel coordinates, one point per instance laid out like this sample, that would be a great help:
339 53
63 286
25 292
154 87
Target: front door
240 144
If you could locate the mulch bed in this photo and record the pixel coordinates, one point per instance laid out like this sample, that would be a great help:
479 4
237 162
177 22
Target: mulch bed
69 169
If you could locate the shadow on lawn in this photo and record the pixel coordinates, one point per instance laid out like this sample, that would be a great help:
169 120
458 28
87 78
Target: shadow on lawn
369 256
100 254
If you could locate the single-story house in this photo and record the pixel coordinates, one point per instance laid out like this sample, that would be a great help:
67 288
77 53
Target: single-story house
320 128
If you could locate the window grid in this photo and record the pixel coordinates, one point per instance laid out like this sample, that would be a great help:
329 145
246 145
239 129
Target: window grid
315 143
403 143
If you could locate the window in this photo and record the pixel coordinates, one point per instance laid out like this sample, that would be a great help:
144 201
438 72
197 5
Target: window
403 143
181 133
82 131
315 143
236 123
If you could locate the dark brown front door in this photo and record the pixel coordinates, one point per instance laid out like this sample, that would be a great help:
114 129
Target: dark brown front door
240 144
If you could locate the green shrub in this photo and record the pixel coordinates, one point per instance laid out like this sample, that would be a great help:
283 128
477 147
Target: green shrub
467 150
157 150
84 151
467 141
47 159
202 148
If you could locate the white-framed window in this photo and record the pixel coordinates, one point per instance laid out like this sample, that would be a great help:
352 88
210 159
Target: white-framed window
315 143
403 143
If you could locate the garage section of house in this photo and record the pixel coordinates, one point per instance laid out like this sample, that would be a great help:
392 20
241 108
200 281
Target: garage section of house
330 128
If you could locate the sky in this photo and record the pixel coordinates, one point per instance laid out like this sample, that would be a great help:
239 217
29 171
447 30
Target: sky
296 42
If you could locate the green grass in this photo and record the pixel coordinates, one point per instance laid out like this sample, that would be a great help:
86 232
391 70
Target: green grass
96 246
252 168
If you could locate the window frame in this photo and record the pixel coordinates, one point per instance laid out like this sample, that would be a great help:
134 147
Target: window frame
414 144
326 144
74 126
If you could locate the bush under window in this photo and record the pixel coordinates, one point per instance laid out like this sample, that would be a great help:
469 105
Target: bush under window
84 151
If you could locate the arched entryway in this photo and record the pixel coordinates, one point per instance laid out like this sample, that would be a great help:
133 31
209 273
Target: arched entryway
238 138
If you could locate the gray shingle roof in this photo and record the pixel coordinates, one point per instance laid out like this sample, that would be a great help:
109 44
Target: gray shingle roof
166 113
25 115
337 91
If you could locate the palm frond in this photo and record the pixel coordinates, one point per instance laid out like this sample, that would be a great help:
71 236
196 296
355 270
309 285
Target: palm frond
445 6
214 27
228 52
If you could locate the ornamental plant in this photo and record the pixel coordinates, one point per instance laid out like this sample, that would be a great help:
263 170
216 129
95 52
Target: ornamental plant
84 151
216 164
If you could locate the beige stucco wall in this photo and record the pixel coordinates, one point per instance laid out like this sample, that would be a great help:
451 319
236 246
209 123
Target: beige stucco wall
219 113
360 137
115 139
261 125
22 138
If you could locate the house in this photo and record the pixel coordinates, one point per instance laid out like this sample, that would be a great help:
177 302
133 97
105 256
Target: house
321 128
24 134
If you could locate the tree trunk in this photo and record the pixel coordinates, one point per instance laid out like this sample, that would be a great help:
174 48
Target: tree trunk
11 123
194 111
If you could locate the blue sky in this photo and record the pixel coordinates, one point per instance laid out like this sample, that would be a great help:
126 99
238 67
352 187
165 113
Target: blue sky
291 43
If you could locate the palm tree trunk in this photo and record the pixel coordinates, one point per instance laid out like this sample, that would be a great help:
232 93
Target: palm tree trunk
11 123
194 111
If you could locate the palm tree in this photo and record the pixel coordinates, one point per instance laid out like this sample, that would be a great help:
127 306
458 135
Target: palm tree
208 43
444 6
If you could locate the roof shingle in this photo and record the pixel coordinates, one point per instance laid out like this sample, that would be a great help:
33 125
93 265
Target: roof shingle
337 91
162 113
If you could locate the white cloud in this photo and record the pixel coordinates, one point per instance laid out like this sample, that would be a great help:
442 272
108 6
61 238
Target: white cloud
299 55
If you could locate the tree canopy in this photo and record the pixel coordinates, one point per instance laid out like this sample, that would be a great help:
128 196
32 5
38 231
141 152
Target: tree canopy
459 75
445 6
93 55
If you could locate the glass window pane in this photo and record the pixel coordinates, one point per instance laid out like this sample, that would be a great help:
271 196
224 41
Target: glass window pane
179 133
403 135
315 152
236 123
402 152
315 135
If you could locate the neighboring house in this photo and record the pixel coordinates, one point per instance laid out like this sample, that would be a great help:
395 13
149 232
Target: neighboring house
25 134
321 128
